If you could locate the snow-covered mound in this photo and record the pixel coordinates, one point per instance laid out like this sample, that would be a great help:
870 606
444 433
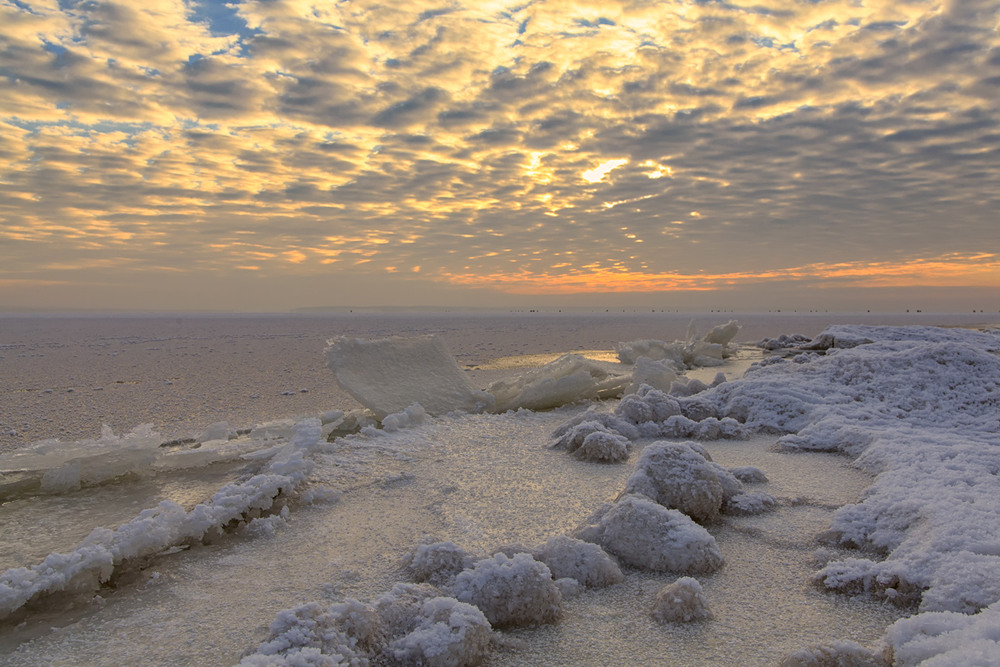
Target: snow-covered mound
645 534
588 564
678 477
438 562
681 602
511 591
411 625
391 374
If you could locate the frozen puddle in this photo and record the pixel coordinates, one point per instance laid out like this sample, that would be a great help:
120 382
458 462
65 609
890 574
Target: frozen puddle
481 481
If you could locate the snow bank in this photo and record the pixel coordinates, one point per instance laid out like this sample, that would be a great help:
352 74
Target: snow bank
681 602
95 560
943 639
919 407
390 374
645 534
511 591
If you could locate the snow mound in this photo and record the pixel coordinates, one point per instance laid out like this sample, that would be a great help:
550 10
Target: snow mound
681 602
645 534
749 475
658 415
448 633
311 634
569 378
511 591
750 502
834 654
678 477
390 374
587 563
604 447
411 625
438 562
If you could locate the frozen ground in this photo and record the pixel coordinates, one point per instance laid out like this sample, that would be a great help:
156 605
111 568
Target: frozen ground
178 590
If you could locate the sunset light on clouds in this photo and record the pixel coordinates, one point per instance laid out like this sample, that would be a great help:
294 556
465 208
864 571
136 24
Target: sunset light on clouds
283 154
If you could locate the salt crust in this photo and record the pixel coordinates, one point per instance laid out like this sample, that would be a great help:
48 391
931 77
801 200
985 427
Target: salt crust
681 602
95 560
438 562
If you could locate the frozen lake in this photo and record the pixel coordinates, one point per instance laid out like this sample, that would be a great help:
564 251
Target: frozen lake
482 481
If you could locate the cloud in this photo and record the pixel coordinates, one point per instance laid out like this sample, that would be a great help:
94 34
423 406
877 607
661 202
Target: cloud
807 135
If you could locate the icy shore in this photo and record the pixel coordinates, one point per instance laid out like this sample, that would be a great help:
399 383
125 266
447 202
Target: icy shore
916 408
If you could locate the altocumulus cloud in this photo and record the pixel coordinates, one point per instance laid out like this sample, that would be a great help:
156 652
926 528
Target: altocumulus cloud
546 147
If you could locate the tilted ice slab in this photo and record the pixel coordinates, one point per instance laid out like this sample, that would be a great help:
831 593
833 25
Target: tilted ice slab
166 525
567 379
389 375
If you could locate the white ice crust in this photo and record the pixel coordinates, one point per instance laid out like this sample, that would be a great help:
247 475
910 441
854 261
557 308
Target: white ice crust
166 525
920 408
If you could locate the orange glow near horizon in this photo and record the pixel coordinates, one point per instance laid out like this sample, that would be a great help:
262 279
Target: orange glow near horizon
952 270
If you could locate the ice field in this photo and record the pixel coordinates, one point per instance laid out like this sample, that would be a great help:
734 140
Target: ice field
454 489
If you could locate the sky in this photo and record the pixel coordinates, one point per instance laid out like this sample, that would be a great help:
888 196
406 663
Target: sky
273 155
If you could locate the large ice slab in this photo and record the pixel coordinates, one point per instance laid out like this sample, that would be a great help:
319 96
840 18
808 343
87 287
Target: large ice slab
389 375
